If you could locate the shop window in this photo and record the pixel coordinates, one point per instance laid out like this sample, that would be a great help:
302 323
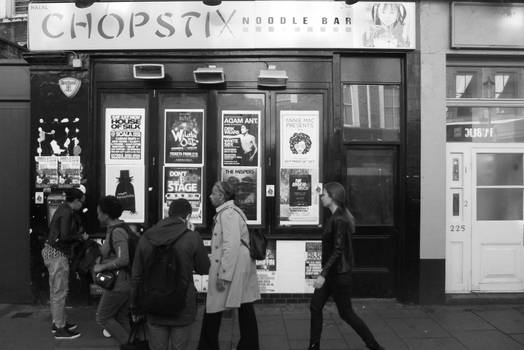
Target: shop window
371 112
496 204
370 184
21 7
488 83
499 169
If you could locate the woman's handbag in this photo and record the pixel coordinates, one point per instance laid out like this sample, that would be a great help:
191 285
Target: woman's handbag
134 343
106 279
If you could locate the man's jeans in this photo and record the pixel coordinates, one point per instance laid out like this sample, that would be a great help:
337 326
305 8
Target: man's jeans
58 288
113 314
160 337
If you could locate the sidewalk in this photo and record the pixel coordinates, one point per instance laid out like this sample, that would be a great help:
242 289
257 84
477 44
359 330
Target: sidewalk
286 327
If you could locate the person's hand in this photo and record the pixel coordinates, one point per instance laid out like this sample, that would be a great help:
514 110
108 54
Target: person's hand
252 157
98 268
190 225
222 284
85 236
319 282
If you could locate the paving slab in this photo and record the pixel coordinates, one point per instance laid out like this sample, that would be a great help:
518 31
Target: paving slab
507 320
434 344
487 340
417 328
460 320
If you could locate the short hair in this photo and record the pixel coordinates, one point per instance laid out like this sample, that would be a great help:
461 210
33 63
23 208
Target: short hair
180 208
73 194
111 206
227 190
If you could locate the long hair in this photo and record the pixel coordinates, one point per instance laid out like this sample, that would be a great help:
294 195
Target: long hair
227 190
337 193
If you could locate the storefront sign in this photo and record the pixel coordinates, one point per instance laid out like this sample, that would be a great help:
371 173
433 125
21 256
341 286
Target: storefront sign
184 183
126 183
240 138
246 182
184 136
125 135
231 25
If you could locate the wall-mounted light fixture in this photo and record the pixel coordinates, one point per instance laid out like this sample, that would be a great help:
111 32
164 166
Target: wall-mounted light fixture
350 2
271 77
209 75
82 4
212 2
148 71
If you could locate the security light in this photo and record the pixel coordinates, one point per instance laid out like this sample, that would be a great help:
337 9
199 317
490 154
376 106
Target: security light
209 75
212 2
82 4
272 77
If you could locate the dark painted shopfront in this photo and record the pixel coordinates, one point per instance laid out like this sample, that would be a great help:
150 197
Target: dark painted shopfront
348 115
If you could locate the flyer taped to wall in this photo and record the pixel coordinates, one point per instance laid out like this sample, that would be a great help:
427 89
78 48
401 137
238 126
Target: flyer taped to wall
125 135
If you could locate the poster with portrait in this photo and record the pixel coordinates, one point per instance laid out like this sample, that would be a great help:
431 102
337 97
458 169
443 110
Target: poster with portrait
241 138
127 183
313 262
125 135
184 182
267 269
299 139
299 197
46 172
247 187
69 171
184 136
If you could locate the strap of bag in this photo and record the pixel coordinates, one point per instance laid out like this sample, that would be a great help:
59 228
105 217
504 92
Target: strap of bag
242 217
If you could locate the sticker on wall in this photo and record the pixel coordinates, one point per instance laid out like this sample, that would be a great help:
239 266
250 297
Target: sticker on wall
184 183
267 269
247 191
70 86
240 138
127 183
184 136
313 263
39 197
46 172
125 135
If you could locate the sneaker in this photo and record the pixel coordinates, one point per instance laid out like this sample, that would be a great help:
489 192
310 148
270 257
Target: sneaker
68 326
63 333
106 333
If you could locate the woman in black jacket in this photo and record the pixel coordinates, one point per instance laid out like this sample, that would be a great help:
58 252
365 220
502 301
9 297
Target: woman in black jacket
337 262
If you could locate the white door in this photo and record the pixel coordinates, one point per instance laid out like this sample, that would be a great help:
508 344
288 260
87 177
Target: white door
497 220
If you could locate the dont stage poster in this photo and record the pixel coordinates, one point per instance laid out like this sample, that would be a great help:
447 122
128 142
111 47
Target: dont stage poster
184 139
184 183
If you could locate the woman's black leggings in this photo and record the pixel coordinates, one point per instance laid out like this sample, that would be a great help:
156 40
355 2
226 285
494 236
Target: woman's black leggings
339 286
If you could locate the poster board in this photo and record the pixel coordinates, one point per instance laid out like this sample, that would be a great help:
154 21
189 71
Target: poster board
184 137
184 182
126 183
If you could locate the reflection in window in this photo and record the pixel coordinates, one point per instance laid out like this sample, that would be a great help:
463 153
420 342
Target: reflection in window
499 169
462 85
505 85
370 185
499 204
371 112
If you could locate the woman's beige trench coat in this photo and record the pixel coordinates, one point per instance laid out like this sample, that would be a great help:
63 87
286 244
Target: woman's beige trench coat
230 261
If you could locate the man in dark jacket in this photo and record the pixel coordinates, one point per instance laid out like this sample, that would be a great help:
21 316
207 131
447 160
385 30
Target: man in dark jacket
65 229
191 255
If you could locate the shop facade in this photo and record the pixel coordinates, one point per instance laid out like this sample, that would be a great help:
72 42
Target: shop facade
156 101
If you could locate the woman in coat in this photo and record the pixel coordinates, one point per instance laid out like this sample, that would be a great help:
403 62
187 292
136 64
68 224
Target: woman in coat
337 263
233 282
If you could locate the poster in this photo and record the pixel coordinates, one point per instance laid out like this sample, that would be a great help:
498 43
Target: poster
46 172
184 183
299 197
313 263
127 183
267 269
299 139
184 139
247 191
125 135
241 138
69 171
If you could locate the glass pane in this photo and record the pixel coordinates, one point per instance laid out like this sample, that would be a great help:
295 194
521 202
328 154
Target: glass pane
488 82
371 112
464 83
456 204
300 147
241 146
483 124
499 204
371 186
499 169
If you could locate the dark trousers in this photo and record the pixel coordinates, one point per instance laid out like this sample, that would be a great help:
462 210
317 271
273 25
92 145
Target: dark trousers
248 329
338 286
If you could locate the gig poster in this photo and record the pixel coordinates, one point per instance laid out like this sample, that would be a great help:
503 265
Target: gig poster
267 269
184 183
126 183
313 264
247 187
241 138
69 171
184 139
299 199
299 139
125 135
46 172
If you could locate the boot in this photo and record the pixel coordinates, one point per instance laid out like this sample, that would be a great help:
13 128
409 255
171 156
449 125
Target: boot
315 346
377 346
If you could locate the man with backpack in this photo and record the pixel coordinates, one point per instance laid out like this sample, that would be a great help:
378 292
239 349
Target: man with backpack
162 280
113 313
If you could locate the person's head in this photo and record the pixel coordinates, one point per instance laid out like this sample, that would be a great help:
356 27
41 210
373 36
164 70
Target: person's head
243 129
109 209
180 208
388 14
221 193
75 198
334 193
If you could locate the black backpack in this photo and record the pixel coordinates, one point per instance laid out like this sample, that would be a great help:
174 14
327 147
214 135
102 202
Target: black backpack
132 242
257 241
164 287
